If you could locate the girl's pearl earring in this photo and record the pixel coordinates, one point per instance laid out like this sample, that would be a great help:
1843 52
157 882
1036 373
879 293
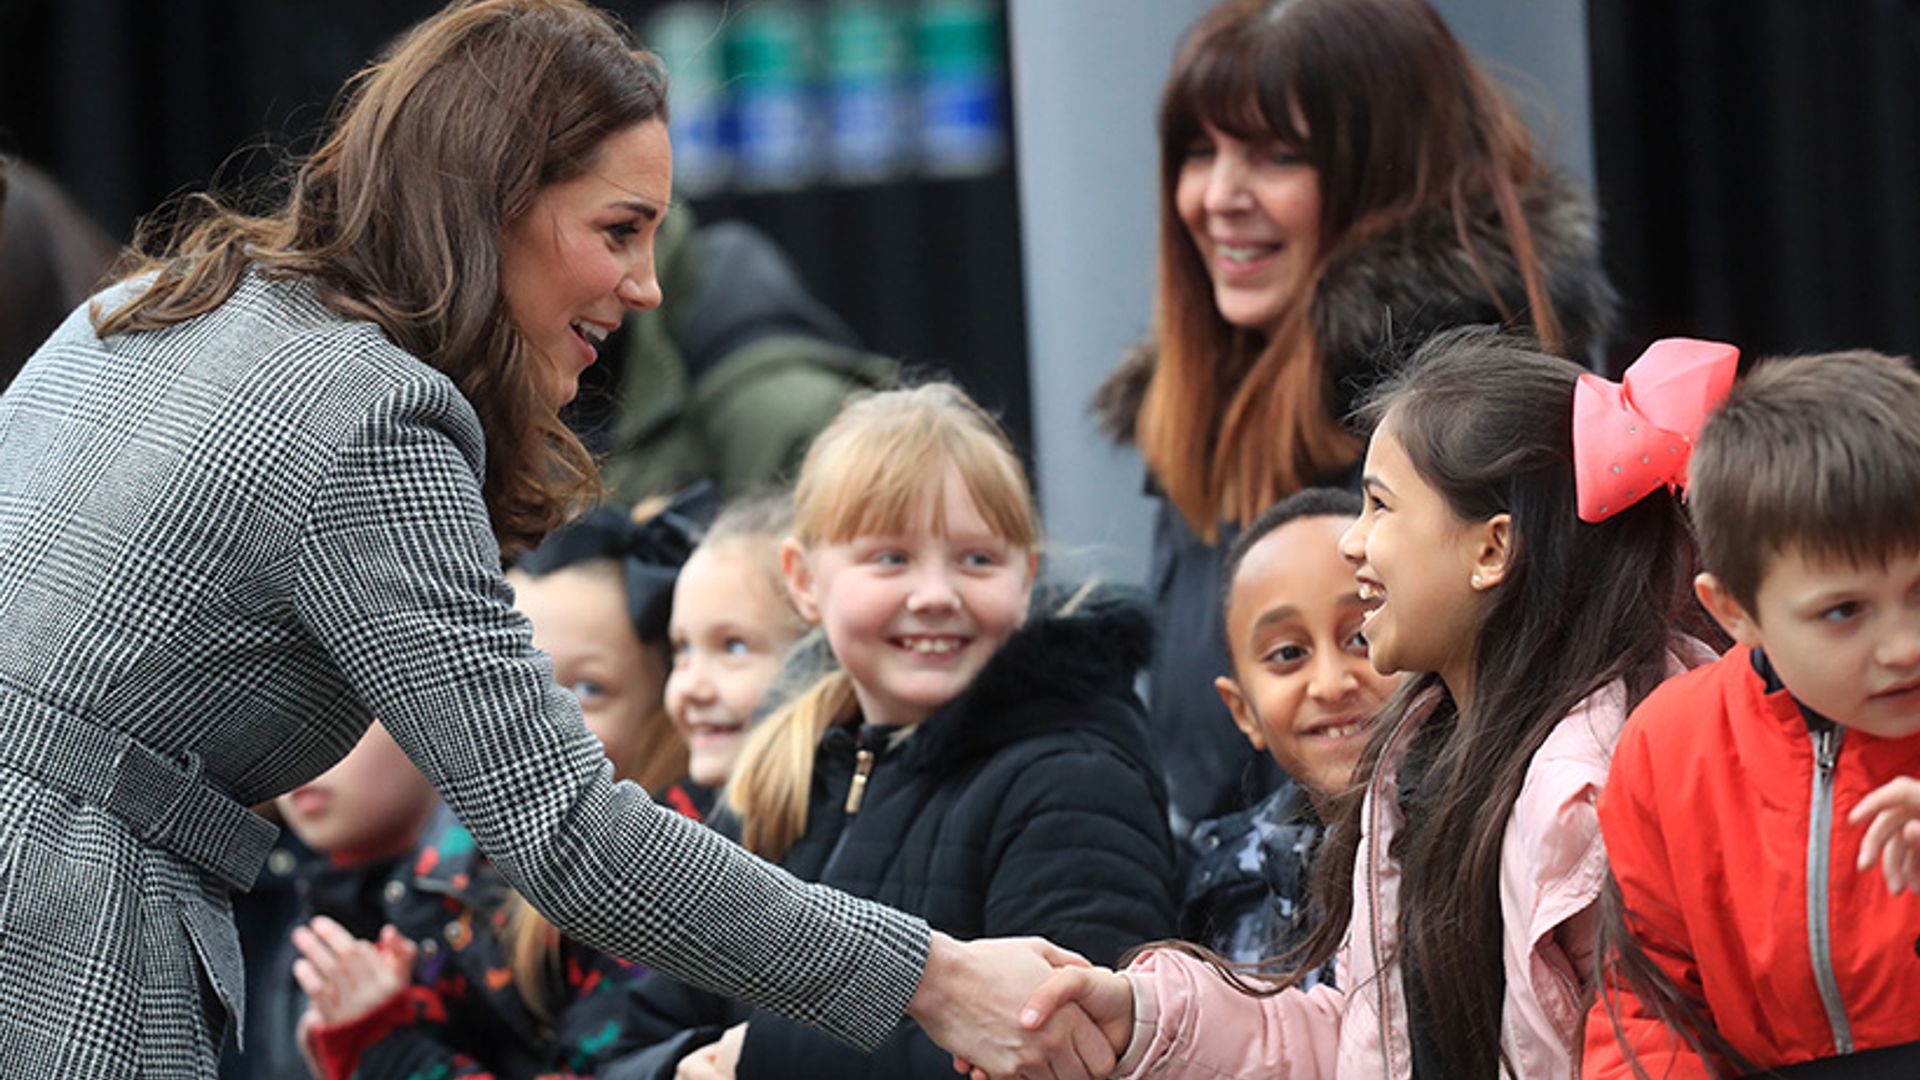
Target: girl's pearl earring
1477 581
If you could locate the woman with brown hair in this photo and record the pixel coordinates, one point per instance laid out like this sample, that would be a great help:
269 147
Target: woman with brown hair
1338 182
260 490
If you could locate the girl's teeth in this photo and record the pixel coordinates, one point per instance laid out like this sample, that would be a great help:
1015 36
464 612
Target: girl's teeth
1234 253
595 335
926 646
1371 592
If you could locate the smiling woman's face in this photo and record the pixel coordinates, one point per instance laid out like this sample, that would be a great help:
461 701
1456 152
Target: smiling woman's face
582 255
1252 210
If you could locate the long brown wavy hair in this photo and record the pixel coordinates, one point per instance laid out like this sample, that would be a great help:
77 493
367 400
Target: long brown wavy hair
1487 420
1379 97
397 218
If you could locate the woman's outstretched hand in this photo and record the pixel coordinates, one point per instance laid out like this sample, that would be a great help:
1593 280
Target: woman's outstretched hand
971 997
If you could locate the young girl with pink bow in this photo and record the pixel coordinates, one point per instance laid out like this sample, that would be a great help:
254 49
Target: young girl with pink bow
1531 567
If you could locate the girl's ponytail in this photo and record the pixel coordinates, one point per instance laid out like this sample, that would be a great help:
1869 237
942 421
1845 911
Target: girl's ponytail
773 779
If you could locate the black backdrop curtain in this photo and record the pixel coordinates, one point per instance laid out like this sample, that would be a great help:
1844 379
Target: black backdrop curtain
1759 167
127 102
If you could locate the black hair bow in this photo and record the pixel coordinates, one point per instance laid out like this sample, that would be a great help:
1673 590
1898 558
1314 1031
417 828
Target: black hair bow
650 552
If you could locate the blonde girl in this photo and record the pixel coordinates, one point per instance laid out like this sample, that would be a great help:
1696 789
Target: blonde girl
972 757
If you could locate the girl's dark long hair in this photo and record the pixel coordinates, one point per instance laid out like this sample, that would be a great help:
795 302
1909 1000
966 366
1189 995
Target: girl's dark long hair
397 219
1487 421
1624 962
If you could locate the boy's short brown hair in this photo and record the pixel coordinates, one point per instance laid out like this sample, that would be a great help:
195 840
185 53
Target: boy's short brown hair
1820 454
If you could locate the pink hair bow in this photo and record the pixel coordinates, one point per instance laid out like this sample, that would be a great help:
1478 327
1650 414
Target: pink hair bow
1633 437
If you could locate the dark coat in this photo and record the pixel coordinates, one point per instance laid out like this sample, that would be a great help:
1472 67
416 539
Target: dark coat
1373 308
224 546
1028 805
1246 888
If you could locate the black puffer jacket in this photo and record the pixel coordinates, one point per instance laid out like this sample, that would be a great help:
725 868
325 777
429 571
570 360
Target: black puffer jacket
1373 308
1028 805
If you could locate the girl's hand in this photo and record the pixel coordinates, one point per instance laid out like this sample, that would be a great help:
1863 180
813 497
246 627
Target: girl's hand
1894 836
1105 996
970 994
715 1061
344 977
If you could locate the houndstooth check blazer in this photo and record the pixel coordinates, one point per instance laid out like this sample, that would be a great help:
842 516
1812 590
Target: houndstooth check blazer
223 547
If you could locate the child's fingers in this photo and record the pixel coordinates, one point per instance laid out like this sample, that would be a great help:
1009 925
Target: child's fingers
318 989
399 950
1095 1052
325 962
1886 826
1063 986
1891 857
1901 792
338 937
368 967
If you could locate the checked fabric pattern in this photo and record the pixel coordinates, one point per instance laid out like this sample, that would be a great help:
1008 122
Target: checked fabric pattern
240 538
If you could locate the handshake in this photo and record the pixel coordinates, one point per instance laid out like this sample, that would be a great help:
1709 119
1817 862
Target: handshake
1023 1007
1004 1007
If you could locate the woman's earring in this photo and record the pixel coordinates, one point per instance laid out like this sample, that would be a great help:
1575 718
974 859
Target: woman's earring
1477 581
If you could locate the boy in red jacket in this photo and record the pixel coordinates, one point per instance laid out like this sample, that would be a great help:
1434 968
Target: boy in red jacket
1749 799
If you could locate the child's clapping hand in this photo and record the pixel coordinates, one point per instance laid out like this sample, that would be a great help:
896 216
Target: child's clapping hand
1894 836
344 977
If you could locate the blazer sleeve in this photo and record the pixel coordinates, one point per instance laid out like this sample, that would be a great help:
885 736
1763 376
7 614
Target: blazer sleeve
1630 825
1079 853
398 580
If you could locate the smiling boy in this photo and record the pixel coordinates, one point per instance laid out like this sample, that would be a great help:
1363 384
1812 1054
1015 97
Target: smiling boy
1303 690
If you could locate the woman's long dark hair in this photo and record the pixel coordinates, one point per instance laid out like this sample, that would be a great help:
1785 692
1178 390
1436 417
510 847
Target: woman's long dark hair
397 218
1487 421
1381 99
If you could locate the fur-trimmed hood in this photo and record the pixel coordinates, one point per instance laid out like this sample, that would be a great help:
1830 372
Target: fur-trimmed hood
1376 304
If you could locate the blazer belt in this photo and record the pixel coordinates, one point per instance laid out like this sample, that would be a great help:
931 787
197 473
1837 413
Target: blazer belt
167 801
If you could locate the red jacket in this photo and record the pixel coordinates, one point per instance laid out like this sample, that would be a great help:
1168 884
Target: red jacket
1716 821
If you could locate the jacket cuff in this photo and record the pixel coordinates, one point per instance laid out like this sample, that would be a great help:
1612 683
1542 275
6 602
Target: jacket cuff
1146 1017
339 1046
